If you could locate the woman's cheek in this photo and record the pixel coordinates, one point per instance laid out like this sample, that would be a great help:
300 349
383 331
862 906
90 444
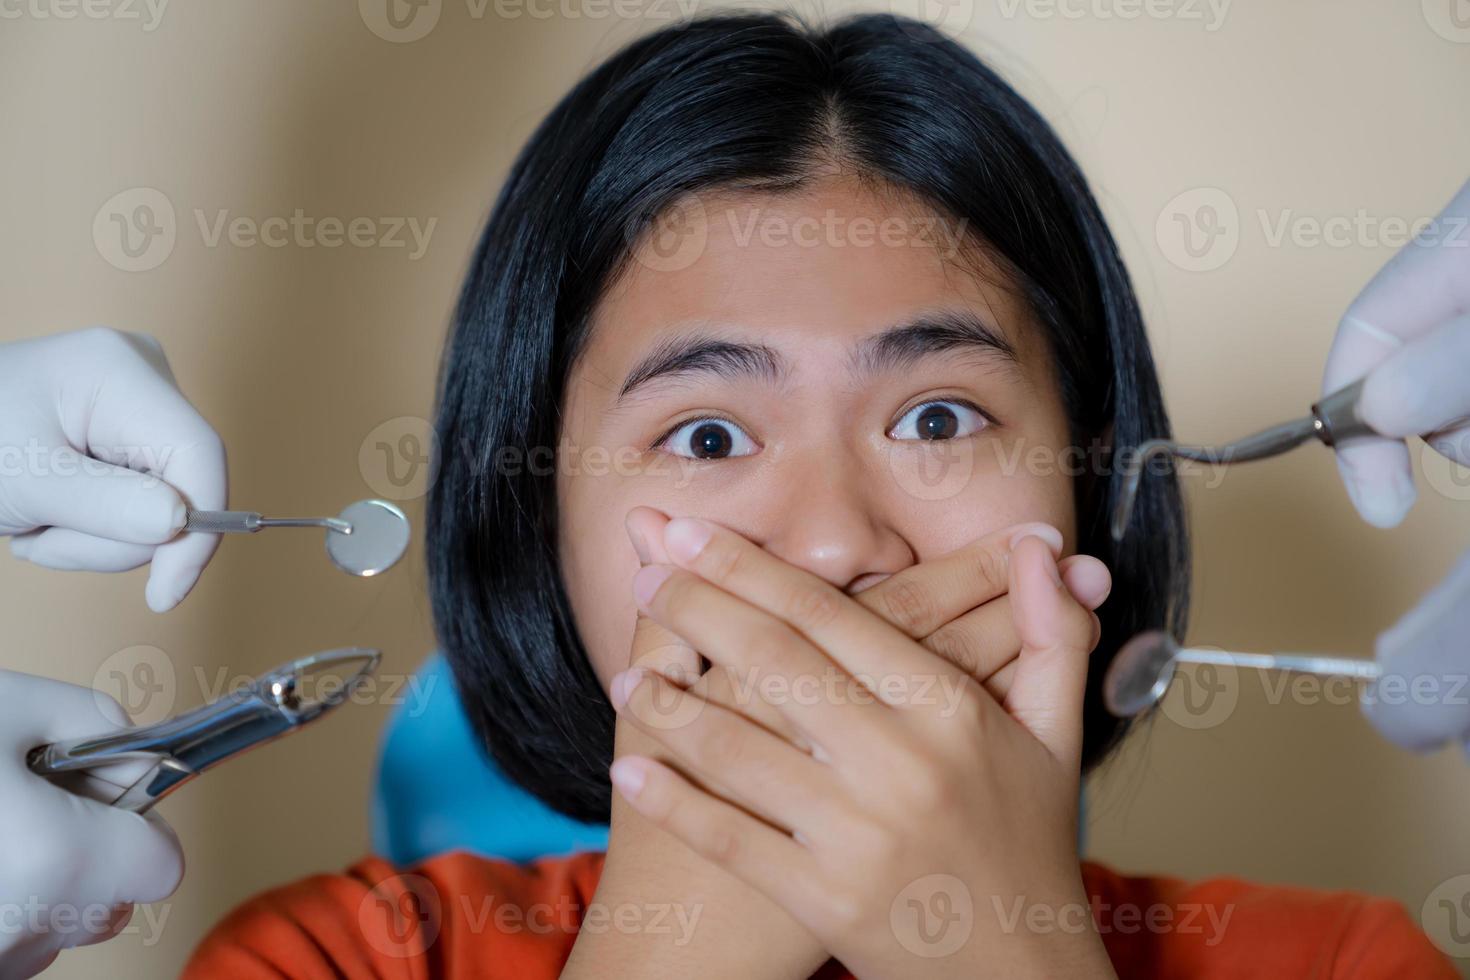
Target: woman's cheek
988 499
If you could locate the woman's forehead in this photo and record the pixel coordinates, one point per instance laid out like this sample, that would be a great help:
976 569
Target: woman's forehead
821 267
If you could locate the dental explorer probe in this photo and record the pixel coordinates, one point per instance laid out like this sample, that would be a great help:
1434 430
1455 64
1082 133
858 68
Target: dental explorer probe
1140 674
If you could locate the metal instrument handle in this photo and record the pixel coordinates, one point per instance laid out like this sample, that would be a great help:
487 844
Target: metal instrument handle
1336 416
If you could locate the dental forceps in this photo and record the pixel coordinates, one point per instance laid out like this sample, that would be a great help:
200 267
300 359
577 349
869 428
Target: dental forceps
174 751
1334 419
1140 674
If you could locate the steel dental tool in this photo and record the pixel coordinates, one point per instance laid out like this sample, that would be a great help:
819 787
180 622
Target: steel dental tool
1334 419
1140 674
167 755
367 538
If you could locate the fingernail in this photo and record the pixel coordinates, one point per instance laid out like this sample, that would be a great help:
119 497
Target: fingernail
647 582
1045 532
623 684
1383 504
640 544
685 537
627 776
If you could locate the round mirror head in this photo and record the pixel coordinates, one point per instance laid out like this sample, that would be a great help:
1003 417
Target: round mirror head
379 538
1140 674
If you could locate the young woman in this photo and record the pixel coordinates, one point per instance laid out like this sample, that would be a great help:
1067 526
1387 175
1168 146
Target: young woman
778 423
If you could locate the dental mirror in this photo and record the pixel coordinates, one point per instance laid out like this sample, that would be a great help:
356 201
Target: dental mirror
379 538
1140 674
366 539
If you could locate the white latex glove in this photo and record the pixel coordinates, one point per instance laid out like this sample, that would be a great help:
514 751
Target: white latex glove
1408 332
70 868
98 454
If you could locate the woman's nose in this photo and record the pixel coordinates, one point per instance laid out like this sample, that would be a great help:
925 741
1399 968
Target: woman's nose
828 526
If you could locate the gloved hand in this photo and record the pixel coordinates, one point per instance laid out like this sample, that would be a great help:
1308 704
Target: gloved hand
70 868
99 453
1408 332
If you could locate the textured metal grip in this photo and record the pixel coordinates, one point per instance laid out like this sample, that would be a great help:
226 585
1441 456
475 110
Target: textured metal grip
223 521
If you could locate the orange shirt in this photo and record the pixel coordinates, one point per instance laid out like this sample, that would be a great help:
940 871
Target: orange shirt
461 916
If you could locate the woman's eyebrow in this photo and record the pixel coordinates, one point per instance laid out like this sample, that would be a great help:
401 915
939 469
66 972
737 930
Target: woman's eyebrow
892 349
931 333
698 353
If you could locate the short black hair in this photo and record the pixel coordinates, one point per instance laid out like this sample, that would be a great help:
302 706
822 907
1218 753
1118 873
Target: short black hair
732 101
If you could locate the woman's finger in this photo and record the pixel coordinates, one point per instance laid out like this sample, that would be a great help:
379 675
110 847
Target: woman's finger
981 641
736 759
822 701
924 597
761 856
646 530
858 641
1056 639
1087 578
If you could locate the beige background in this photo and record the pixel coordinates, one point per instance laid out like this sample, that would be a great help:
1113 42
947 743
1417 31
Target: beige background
1311 110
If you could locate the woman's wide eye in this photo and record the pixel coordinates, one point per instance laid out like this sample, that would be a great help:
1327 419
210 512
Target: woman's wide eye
709 439
938 420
